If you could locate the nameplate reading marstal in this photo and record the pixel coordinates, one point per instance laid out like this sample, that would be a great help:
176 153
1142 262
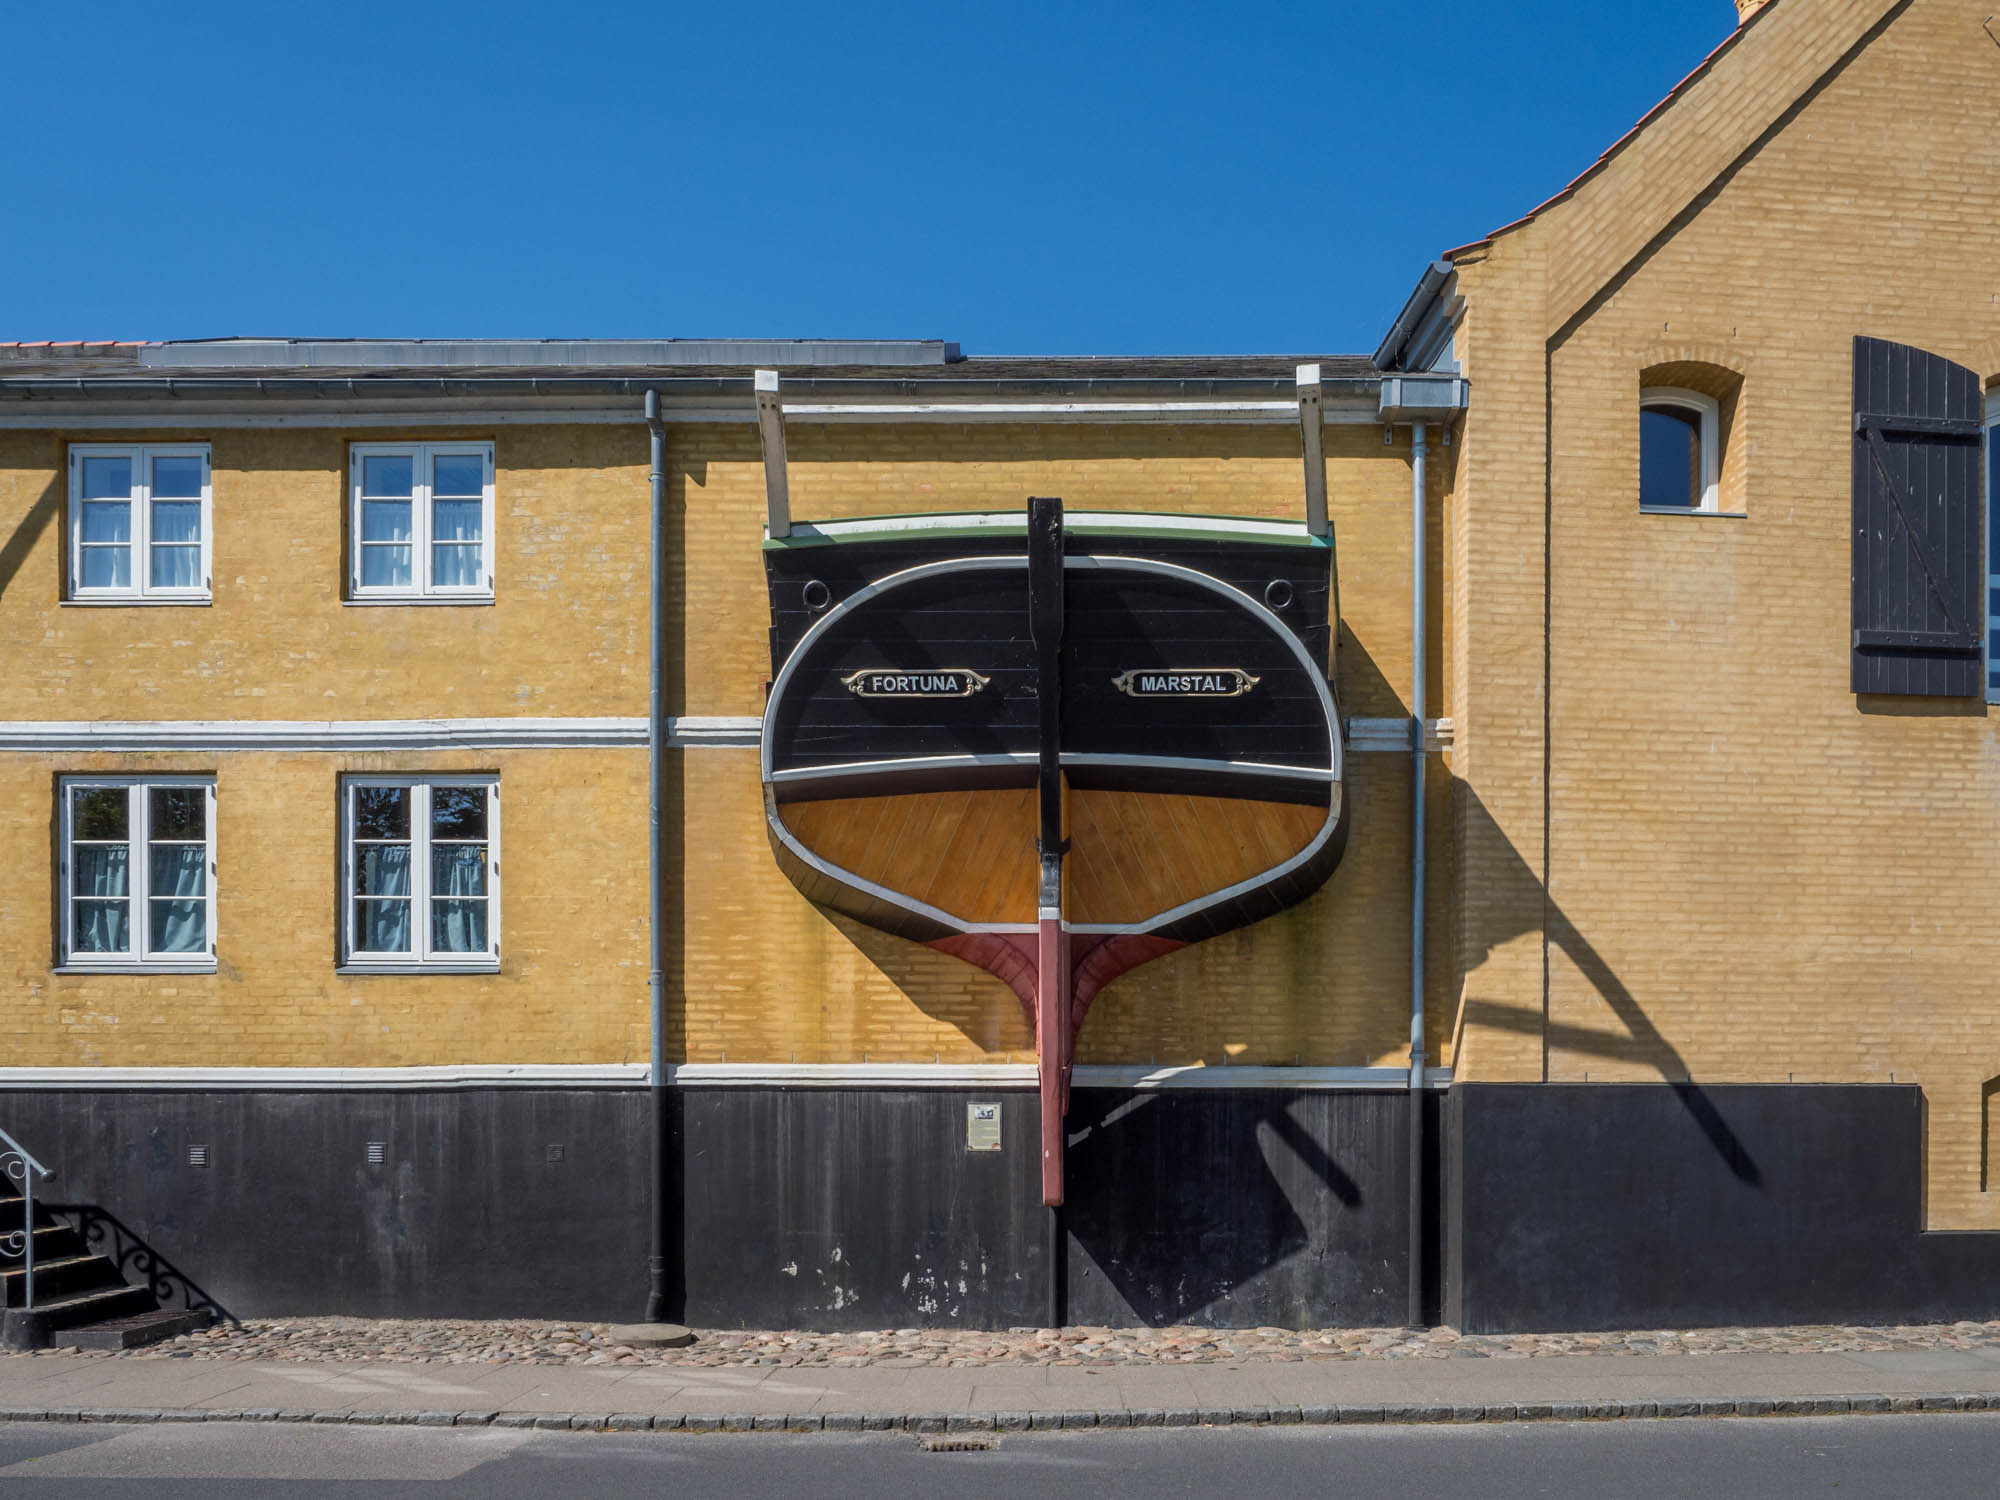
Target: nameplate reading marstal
1185 682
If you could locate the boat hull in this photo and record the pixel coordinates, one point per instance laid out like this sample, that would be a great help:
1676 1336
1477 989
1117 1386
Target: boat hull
1060 765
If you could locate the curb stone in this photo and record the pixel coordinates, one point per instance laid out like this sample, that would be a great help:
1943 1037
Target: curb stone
1428 1415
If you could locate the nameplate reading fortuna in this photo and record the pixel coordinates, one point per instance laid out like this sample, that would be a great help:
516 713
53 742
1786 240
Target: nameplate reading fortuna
956 682
1186 682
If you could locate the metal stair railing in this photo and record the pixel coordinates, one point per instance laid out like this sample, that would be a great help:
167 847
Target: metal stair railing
23 1169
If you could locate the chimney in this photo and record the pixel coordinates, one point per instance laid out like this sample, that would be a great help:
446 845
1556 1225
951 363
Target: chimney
1745 9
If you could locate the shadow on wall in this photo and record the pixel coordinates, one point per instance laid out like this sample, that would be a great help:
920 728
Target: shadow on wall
1519 893
1289 1208
15 550
1880 706
1232 1209
138 1262
963 996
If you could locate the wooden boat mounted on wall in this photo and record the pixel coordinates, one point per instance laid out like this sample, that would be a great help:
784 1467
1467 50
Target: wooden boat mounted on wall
1055 748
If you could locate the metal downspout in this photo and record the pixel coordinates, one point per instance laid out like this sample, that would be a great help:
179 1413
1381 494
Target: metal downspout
1419 649
657 1288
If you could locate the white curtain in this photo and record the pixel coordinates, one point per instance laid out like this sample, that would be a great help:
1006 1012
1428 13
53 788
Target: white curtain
179 914
102 925
176 567
176 544
455 543
458 907
383 926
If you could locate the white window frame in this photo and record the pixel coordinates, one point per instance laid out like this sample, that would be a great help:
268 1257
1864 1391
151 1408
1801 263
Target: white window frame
141 590
138 880
1710 412
420 589
420 959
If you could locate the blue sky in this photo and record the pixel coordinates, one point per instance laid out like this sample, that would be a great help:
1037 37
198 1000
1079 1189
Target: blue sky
1076 178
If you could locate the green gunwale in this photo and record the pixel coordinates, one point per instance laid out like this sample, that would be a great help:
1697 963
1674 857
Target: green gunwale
936 525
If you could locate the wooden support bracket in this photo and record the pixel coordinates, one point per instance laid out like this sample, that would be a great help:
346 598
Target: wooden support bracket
1312 415
771 433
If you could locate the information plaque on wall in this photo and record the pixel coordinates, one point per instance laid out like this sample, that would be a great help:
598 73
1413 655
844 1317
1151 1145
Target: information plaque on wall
982 1127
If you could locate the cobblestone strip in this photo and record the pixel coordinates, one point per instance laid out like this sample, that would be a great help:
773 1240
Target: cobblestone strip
1000 1423
545 1342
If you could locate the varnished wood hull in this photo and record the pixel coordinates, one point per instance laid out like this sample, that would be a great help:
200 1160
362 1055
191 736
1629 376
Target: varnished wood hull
1134 856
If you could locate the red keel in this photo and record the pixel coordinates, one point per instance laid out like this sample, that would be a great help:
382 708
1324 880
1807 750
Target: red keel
1054 1037
1077 967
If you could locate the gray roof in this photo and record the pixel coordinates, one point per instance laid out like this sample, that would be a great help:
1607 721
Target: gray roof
407 366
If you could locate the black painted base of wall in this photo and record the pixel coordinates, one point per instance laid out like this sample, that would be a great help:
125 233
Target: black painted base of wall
488 1203
855 1209
1599 1206
1564 1207
810 1208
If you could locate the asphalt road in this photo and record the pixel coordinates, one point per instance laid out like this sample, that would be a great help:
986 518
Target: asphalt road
1712 1460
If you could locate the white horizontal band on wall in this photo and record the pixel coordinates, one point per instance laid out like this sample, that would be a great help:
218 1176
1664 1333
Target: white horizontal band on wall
451 1076
1140 1078
189 416
719 733
137 736
1394 734
1202 413
371 734
193 412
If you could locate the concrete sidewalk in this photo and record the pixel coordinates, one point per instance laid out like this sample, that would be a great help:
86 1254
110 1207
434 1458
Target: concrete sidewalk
76 1388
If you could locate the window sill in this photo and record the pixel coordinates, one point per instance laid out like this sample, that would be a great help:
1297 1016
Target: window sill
147 966
469 966
199 601
1689 510
376 600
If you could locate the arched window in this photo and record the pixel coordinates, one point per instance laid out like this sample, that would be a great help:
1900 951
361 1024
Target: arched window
1680 449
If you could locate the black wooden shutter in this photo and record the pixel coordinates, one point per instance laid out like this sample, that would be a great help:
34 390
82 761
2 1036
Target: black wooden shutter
1919 573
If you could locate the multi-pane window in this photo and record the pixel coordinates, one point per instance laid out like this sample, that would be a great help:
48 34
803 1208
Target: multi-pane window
422 524
138 872
422 871
139 522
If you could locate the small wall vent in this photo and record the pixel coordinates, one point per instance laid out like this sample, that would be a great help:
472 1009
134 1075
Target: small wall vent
378 1153
197 1156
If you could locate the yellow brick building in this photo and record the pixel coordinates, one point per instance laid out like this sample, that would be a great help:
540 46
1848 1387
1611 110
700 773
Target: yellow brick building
1698 841
330 637
1703 980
